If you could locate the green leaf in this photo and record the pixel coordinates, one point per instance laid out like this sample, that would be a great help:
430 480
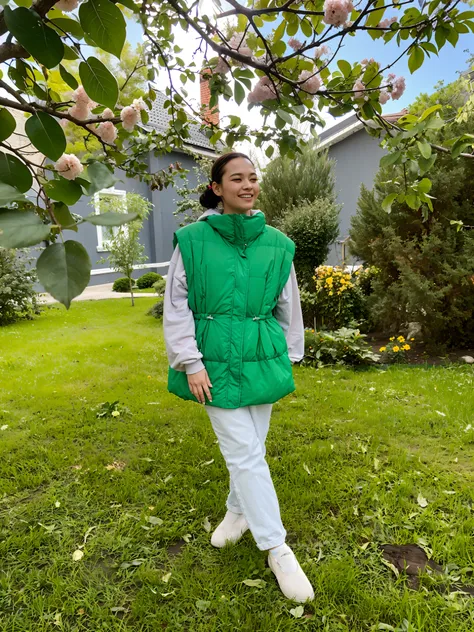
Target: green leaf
425 148
40 41
292 27
9 194
63 216
279 48
99 82
15 173
425 185
429 111
70 53
452 36
413 201
239 92
110 219
64 270
69 26
285 116
130 5
103 21
20 229
425 165
62 190
279 31
100 177
390 159
388 201
344 67
7 124
67 77
46 134
306 28
416 59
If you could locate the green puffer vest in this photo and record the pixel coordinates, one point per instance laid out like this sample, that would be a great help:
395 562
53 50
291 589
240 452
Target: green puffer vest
236 267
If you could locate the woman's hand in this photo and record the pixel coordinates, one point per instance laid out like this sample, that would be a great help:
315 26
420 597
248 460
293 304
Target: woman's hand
199 385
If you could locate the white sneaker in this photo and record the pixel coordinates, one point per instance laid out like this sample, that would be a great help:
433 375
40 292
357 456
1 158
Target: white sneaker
290 576
230 530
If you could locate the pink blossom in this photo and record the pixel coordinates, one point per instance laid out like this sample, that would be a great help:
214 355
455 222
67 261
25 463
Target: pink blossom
336 12
321 50
367 62
107 131
391 77
130 117
80 111
81 96
398 88
384 97
385 24
311 82
358 88
67 5
138 104
222 67
295 43
348 24
262 91
63 122
107 114
69 166
238 42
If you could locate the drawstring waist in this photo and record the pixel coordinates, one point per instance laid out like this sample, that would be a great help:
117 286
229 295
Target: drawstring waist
212 316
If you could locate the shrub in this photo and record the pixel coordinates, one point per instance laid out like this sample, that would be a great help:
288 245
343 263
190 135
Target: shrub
287 182
396 349
313 226
157 310
17 296
344 346
122 285
160 287
337 298
148 280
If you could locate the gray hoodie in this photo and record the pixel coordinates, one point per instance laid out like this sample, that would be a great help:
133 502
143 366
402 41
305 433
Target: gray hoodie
178 319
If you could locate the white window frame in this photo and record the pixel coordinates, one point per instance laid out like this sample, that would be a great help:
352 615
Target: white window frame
103 244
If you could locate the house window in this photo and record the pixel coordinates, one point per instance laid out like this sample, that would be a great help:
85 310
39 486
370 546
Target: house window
105 201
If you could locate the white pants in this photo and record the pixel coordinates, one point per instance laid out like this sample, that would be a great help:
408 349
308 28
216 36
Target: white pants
241 433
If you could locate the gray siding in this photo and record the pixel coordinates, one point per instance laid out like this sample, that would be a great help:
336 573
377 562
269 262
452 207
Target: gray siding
357 162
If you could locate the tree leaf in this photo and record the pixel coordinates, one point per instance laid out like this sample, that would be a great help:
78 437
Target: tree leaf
285 116
64 270
103 21
19 229
344 67
416 58
239 92
9 194
390 159
100 177
110 219
63 216
40 41
62 190
99 82
425 148
67 77
425 185
46 134
388 201
15 173
69 26
7 124
256 583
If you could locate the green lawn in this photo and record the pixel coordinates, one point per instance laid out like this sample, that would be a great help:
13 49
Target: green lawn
353 455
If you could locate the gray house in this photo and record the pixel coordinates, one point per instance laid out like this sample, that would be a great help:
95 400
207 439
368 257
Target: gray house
357 156
157 233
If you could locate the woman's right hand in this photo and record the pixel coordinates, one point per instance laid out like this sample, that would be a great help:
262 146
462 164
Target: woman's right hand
199 385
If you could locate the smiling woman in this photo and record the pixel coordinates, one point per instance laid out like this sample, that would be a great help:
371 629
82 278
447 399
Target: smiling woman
233 325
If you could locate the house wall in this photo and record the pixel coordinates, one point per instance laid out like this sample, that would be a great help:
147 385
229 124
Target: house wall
357 162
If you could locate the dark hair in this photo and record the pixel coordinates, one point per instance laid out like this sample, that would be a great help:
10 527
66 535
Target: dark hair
209 199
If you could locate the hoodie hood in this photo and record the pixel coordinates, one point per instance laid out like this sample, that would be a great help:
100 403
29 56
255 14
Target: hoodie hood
239 230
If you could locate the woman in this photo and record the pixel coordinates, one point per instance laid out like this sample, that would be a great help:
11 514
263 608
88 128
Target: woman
233 325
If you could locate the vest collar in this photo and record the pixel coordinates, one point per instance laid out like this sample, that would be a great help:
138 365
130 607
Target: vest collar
239 230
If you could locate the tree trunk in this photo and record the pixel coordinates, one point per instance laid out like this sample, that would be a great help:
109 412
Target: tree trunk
131 290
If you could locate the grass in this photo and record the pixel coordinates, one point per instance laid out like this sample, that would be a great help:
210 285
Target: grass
352 456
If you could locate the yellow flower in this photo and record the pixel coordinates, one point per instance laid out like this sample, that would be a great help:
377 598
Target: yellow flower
407 347
331 293
382 349
329 280
396 348
312 331
401 339
412 339
392 339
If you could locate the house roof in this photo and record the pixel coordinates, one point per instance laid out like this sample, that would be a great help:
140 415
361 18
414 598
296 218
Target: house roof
345 128
160 120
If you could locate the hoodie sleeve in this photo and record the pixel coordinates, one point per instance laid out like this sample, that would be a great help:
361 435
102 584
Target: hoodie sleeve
290 317
178 320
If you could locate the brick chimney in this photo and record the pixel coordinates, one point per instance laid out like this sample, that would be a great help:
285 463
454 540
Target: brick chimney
209 116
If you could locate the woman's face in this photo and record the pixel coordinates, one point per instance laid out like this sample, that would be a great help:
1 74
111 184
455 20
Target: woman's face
239 187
